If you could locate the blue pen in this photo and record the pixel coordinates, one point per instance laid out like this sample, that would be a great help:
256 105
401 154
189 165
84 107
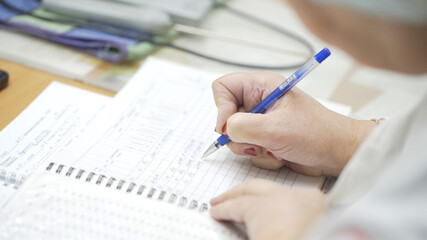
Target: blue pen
279 92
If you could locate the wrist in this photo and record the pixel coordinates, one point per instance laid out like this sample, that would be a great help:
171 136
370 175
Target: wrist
359 131
351 133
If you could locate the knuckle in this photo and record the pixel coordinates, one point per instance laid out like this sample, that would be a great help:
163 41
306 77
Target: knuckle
229 77
216 88
271 75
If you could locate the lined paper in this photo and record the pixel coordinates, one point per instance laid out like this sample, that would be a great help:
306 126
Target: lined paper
56 207
51 122
155 133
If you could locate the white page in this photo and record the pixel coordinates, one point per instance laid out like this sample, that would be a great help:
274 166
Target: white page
51 122
156 131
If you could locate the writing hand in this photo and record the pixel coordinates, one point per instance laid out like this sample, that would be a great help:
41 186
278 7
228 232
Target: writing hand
297 131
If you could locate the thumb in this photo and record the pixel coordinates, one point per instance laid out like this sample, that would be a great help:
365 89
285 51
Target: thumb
249 128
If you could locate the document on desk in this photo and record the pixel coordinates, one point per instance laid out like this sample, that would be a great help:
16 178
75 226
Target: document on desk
155 131
51 122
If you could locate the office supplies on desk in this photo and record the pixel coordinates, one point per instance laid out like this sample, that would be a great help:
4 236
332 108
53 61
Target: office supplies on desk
142 19
63 61
97 39
4 79
145 17
153 16
102 29
273 97
188 12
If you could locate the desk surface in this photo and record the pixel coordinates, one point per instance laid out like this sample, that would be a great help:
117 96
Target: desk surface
25 84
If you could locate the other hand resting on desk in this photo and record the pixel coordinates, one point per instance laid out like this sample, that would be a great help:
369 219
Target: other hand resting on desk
269 210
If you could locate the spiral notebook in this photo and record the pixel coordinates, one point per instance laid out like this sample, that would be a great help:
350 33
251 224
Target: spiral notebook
155 131
145 144
67 203
143 190
152 133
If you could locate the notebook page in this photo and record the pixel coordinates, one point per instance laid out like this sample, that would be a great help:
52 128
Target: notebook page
53 120
50 206
163 121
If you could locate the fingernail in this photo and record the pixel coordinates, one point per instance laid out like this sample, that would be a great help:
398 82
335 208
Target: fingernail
224 128
271 155
214 201
250 152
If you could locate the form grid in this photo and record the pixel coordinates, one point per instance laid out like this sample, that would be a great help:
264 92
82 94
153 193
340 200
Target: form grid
160 136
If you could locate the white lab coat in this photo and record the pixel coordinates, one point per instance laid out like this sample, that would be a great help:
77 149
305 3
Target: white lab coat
382 192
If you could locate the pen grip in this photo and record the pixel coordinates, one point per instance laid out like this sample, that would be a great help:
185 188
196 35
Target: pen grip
223 139
262 107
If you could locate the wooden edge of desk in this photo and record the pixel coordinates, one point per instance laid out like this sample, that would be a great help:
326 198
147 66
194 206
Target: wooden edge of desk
25 84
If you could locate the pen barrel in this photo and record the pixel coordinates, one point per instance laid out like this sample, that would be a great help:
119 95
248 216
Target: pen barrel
271 99
268 102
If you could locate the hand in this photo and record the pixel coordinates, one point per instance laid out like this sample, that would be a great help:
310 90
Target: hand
268 210
297 131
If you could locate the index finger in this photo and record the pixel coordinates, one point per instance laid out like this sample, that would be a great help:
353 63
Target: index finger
232 210
228 96
242 90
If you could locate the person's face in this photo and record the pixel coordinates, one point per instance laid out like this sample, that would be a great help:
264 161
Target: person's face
370 40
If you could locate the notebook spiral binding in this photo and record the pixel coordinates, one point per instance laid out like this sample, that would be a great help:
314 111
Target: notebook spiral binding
11 179
122 185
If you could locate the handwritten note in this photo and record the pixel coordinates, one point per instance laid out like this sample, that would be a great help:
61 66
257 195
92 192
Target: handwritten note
51 122
158 127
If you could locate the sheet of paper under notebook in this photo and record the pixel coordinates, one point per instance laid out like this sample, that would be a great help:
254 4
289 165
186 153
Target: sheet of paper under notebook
57 116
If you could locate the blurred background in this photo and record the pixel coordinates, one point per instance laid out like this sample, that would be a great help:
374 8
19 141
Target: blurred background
104 47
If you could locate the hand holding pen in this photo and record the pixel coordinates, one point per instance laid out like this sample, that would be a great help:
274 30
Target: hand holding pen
279 92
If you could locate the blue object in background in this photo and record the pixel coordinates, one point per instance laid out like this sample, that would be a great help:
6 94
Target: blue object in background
117 45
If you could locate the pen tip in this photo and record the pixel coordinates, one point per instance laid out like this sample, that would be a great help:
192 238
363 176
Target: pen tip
215 146
205 155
